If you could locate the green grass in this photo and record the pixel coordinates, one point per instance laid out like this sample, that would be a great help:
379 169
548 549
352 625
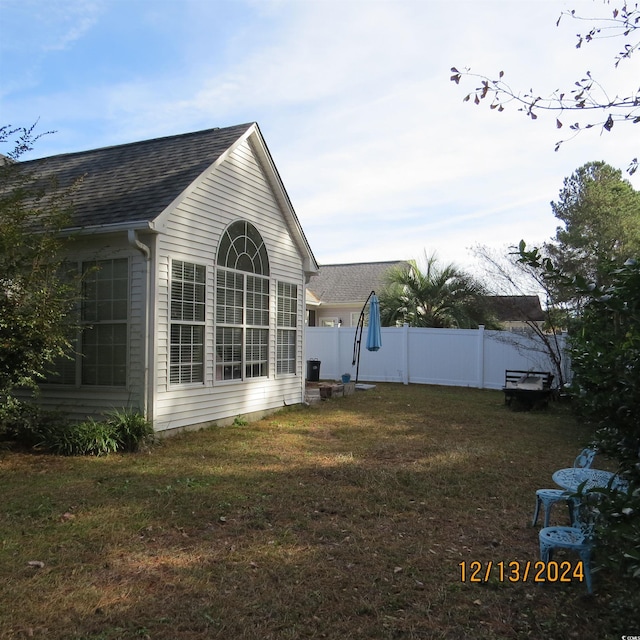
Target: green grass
347 519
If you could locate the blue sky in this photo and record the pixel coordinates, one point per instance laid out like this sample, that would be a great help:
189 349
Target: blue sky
380 156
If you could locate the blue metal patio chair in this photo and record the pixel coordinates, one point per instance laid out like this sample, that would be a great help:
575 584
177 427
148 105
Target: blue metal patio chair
578 538
584 460
548 497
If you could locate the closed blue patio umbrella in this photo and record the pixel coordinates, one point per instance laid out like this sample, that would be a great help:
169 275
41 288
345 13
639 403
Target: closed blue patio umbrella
374 336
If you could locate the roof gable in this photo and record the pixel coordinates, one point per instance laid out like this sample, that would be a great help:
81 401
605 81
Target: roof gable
134 182
516 308
345 283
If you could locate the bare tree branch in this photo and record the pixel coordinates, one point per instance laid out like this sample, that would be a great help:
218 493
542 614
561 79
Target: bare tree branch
587 95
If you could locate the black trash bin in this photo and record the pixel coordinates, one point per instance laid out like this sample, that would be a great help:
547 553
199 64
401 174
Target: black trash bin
313 370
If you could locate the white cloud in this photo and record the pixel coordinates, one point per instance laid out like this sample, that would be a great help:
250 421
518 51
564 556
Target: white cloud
34 27
380 156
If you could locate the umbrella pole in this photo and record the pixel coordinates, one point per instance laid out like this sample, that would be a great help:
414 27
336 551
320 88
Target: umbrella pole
357 340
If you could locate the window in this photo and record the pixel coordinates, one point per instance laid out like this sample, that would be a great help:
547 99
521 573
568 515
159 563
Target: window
242 304
63 369
257 344
105 314
230 297
287 320
188 303
242 248
257 334
229 352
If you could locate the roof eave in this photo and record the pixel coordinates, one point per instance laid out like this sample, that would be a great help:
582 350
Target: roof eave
310 264
98 229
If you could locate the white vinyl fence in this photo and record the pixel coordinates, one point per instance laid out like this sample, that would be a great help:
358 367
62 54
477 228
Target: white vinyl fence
451 357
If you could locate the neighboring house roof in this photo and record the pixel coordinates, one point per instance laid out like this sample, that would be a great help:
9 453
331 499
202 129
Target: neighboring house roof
516 308
337 284
349 283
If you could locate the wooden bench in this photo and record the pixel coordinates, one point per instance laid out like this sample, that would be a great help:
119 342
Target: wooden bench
527 388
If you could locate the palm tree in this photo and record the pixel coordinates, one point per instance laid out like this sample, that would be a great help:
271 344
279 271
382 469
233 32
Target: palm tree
436 297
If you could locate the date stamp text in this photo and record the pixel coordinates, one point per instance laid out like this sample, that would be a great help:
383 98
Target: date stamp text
521 571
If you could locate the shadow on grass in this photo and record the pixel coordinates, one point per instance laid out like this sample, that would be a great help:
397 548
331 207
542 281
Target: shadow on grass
350 519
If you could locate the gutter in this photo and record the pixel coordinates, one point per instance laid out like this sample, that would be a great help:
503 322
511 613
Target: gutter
135 242
136 225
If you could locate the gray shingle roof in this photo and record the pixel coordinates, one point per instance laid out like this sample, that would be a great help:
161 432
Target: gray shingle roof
344 283
136 181
516 308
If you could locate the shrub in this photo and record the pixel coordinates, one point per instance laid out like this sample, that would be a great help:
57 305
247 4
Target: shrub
30 426
605 358
26 423
132 429
605 353
88 438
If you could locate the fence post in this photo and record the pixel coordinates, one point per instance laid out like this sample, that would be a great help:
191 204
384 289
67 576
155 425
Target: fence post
405 354
338 339
481 356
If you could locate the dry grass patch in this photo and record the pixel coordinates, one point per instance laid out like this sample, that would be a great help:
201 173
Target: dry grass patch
345 519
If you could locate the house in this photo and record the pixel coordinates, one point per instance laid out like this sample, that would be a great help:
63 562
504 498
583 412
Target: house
195 269
516 313
337 293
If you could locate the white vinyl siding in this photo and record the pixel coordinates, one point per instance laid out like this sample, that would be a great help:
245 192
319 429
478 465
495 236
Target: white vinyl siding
240 371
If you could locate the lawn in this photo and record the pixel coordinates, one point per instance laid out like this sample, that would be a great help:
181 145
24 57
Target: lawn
348 519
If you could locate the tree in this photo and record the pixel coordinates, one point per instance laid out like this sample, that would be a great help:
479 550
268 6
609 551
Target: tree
436 297
588 96
600 212
509 276
605 353
37 294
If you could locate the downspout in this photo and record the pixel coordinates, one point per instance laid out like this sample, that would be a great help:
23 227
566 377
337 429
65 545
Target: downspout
146 252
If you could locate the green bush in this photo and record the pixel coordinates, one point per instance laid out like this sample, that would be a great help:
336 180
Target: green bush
605 356
25 423
132 429
30 426
88 438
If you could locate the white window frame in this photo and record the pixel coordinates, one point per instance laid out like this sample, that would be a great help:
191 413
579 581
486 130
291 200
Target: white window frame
187 322
242 332
101 315
287 328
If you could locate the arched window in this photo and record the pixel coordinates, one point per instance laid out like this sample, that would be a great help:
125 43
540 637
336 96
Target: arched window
242 248
242 304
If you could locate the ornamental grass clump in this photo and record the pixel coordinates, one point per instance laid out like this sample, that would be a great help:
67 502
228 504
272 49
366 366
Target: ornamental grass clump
29 426
87 438
131 428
